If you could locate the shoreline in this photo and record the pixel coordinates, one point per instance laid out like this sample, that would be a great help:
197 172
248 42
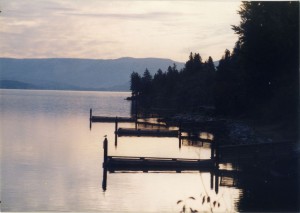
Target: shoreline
246 131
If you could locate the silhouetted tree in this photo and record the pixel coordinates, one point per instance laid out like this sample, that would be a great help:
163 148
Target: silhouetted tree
158 86
185 90
210 73
228 90
135 83
269 55
146 82
259 77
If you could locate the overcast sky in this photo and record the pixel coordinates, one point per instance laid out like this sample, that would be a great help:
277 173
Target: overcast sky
111 29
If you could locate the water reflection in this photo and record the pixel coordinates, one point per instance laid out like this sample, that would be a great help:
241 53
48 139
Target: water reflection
166 189
214 176
208 199
134 142
52 161
242 175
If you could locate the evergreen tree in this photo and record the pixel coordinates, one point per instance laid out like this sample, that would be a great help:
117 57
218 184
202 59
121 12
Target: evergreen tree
135 83
146 83
158 88
262 72
269 55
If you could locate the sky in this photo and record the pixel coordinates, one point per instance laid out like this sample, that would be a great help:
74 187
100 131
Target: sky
109 29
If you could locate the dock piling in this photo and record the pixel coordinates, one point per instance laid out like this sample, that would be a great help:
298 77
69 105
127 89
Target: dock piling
116 132
116 125
104 182
217 182
105 147
91 118
217 153
211 180
179 135
212 150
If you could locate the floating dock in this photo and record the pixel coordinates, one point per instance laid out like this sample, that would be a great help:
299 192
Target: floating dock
145 123
197 139
145 164
147 132
107 119
132 163
112 119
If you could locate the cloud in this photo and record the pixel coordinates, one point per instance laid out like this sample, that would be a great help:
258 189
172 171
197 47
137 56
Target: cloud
113 29
60 9
133 16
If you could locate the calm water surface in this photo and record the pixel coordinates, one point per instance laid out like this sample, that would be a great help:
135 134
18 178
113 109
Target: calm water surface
52 161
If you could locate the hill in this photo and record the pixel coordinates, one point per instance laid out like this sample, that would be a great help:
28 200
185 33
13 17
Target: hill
76 74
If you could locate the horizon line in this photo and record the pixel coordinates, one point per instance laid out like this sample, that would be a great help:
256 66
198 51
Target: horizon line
125 57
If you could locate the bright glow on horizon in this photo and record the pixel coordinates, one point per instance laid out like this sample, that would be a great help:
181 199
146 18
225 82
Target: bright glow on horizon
114 29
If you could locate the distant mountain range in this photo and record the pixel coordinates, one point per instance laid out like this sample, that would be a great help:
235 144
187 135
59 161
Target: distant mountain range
76 74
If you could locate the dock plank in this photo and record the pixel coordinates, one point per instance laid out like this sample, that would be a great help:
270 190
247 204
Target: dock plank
157 164
106 119
147 132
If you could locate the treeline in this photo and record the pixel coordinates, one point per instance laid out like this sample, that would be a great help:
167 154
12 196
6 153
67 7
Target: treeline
260 77
183 90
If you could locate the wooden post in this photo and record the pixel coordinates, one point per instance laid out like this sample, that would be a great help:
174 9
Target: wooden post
179 135
136 107
91 114
116 140
217 182
116 132
217 153
104 181
105 147
116 125
105 151
216 159
136 112
212 150
211 180
136 124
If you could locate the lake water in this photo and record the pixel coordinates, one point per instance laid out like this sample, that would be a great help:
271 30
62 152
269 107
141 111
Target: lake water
52 161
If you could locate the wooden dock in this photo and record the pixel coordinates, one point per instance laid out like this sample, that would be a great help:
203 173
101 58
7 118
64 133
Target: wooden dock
147 132
146 124
112 119
132 163
107 119
145 164
196 139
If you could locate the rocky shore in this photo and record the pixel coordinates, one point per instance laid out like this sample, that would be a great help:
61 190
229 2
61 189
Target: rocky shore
243 131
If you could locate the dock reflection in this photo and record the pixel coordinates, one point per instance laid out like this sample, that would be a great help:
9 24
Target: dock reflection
258 169
214 176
